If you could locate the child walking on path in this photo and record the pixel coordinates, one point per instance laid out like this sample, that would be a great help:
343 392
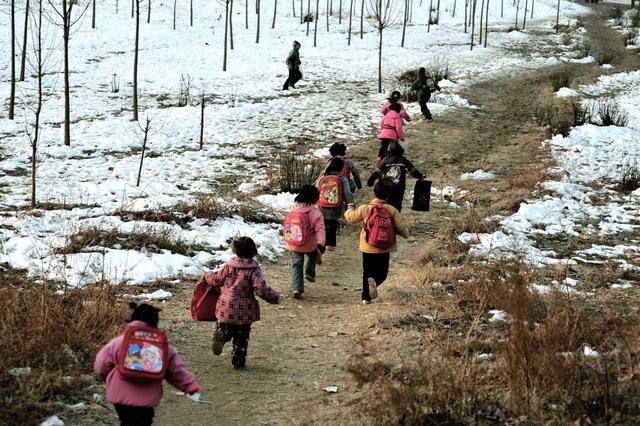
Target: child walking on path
391 131
381 222
135 401
239 280
334 196
349 169
394 98
304 237
395 166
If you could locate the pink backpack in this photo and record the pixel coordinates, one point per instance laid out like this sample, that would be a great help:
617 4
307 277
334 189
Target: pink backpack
143 354
297 228
379 228
330 188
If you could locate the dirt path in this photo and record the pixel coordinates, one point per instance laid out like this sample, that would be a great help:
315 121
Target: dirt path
300 347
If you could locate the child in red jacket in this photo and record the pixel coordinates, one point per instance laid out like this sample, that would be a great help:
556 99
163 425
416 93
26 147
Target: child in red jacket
239 280
135 401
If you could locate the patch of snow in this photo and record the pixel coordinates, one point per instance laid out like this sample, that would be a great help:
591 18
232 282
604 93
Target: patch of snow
52 421
478 175
565 92
156 295
497 315
282 201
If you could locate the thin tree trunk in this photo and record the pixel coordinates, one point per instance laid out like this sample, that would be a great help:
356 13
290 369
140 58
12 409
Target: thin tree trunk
350 21
524 17
404 23
231 25
361 19
558 18
174 14
24 41
301 13
246 15
308 16
327 15
466 14
473 21
379 58
93 14
258 21
315 24
502 9
438 13
117 7
533 2
517 11
293 7
133 8
275 8
191 13
226 32
36 135
340 13
201 122
12 96
486 25
144 147
67 106
453 14
429 23
481 29
135 63
149 13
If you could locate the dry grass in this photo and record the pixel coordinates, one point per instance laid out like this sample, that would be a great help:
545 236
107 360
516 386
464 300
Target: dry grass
555 116
537 372
292 171
212 208
55 335
629 178
612 114
562 77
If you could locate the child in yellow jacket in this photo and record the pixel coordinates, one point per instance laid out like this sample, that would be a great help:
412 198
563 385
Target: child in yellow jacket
375 261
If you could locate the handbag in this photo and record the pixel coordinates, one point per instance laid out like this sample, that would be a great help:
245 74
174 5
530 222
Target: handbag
421 196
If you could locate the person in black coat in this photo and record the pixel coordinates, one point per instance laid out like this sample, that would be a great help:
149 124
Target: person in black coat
425 85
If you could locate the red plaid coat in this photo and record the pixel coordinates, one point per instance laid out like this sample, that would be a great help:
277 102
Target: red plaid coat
239 281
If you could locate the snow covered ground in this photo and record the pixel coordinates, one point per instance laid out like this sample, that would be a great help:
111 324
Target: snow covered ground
248 119
585 202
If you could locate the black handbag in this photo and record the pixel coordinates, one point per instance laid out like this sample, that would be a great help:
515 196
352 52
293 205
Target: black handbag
421 196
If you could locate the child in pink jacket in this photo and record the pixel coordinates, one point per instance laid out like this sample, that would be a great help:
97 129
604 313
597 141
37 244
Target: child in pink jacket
395 99
312 249
238 281
391 125
135 401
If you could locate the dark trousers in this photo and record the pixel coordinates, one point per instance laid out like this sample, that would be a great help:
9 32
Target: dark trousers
376 266
384 146
395 198
239 333
424 98
331 229
294 76
134 416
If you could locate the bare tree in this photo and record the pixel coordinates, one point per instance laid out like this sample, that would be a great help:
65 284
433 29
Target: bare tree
558 18
466 13
191 13
517 12
383 15
231 25
148 12
293 7
533 2
340 13
502 9
308 16
24 39
275 9
226 31
246 14
327 15
315 24
145 132
174 14
473 21
301 13
481 28
438 13
404 22
93 14
64 12
524 17
350 20
361 19
257 21
12 95
133 7
135 62
201 121
430 10
486 25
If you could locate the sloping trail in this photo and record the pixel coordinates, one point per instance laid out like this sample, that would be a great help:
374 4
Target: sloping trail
300 347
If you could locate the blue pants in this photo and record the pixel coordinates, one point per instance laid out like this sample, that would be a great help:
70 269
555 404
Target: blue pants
297 266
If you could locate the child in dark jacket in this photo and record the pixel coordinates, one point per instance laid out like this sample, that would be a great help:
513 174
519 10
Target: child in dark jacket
425 85
135 401
335 195
239 280
349 169
396 166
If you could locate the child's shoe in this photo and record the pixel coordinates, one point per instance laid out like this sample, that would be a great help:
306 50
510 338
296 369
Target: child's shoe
373 288
297 294
218 342
310 278
366 302
319 258
331 248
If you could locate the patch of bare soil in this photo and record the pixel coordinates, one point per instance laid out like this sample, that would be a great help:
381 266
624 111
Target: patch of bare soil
300 347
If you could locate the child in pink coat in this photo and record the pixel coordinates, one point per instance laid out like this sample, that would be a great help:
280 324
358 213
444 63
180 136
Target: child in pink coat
238 282
135 401
391 130
395 99
313 248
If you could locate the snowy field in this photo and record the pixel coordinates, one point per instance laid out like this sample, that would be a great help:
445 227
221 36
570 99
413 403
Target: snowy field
248 120
584 202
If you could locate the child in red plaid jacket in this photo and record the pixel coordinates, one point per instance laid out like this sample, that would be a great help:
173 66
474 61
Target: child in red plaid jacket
239 281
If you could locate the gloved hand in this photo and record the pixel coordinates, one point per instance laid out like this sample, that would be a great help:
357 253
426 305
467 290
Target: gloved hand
321 249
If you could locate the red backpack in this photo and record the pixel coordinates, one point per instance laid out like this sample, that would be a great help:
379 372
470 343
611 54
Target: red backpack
143 354
330 188
379 228
297 228
204 301
346 170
